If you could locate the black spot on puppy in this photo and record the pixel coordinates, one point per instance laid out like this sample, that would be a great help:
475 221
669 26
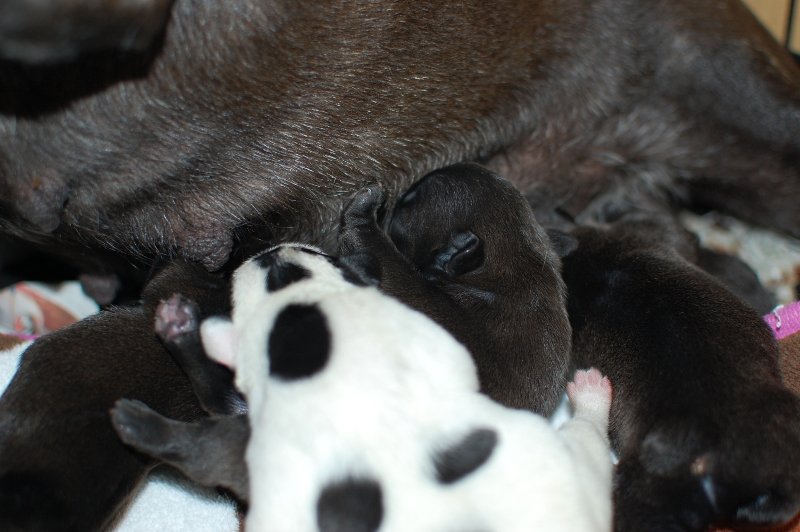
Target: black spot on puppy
280 273
267 259
299 344
466 456
350 506
283 274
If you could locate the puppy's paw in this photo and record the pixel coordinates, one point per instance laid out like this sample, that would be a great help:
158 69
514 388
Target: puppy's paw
364 207
590 390
360 236
176 317
139 426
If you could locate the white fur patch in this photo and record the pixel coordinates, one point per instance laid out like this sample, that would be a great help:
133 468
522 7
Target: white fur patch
397 388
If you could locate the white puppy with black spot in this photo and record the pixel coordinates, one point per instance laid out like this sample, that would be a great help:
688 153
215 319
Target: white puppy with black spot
383 427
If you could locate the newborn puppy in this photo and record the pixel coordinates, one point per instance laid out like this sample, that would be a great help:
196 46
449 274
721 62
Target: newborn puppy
705 431
366 414
464 248
62 466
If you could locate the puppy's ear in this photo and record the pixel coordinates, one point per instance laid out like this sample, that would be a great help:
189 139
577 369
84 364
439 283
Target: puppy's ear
563 243
220 340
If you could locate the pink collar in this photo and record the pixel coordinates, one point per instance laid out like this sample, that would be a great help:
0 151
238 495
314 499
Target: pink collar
784 320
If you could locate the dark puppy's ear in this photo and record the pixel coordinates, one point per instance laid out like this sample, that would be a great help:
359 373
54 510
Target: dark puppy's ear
563 243
463 254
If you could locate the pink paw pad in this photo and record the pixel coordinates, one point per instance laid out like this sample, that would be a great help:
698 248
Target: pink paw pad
589 385
174 317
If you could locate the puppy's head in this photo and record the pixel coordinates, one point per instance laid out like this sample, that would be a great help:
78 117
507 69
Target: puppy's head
274 294
465 222
474 236
298 314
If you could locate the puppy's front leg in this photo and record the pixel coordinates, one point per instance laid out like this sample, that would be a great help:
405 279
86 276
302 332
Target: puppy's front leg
586 434
177 324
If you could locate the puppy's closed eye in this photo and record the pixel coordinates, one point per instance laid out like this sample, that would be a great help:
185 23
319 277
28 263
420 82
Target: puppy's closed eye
463 254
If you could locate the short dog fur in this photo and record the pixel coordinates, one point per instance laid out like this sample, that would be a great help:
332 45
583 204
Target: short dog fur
62 466
705 431
365 415
464 247
248 122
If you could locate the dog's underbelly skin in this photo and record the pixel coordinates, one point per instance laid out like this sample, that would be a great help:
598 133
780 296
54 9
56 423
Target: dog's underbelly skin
265 118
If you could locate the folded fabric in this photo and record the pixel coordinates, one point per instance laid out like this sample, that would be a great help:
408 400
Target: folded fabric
30 309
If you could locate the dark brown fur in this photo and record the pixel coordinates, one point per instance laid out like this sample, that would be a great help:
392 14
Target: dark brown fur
464 248
55 30
258 120
62 466
251 122
705 430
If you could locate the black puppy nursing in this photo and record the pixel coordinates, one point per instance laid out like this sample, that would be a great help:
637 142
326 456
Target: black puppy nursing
463 247
705 431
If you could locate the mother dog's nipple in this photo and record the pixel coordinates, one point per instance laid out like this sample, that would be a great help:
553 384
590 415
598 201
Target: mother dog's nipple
40 199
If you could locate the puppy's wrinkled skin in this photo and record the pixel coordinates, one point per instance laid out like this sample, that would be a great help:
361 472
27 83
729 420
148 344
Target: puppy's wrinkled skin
62 466
705 431
464 248
256 120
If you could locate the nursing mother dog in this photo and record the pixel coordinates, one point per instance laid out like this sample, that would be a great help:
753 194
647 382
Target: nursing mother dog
249 121
257 120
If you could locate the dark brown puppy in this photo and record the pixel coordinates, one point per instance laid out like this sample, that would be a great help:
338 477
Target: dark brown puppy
262 117
464 247
705 431
62 466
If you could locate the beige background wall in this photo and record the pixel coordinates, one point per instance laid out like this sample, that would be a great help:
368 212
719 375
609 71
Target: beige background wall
773 14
